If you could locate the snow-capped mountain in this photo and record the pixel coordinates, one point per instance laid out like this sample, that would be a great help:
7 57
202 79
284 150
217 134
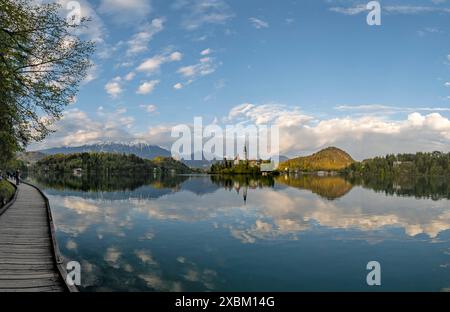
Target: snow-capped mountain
139 149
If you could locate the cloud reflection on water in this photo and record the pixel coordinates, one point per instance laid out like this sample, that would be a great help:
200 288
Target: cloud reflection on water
124 230
275 212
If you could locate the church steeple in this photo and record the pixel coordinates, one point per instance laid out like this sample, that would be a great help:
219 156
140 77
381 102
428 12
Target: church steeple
245 152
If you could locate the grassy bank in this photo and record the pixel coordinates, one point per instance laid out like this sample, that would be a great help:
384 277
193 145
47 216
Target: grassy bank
6 192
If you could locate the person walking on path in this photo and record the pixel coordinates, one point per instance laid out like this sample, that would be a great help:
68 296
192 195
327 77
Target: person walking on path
17 177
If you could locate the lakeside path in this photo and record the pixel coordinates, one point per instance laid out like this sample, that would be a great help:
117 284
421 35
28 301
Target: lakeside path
27 246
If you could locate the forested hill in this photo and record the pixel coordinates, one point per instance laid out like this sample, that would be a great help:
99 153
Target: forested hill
419 164
110 163
329 159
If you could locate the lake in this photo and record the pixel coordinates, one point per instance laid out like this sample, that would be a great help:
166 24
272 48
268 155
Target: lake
289 233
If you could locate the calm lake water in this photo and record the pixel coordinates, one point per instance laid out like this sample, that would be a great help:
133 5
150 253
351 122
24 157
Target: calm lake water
203 233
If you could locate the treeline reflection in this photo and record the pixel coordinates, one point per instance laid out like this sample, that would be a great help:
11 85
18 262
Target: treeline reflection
328 187
108 183
434 188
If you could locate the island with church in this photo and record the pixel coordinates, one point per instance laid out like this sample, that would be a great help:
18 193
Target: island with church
244 166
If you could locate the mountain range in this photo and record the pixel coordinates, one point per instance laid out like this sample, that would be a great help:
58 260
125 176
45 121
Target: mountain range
140 149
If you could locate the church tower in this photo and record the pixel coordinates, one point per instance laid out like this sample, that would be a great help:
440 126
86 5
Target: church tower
245 152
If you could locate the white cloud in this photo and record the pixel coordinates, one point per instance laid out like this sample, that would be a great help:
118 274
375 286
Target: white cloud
258 23
289 20
412 10
175 56
206 52
200 69
188 71
147 87
199 13
140 41
114 88
125 11
360 8
362 136
78 128
91 74
178 86
205 66
385 109
145 256
130 76
428 30
154 63
447 84
158 135
71 245
150 108
268 114
112 256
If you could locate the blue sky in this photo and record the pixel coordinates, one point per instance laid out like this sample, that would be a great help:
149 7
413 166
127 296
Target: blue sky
315 67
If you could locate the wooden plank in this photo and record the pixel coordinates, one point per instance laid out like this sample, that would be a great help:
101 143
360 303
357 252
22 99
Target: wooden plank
33 289
24 231
17 239
25 258
30 275
24 262
18 283
24 251
26 267
35 255
24 242
23 272
22 224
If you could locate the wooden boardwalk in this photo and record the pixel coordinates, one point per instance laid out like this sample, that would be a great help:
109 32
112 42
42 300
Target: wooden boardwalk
28 259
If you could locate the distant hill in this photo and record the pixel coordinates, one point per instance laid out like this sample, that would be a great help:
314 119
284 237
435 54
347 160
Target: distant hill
141 150
199 164
329 159
168 163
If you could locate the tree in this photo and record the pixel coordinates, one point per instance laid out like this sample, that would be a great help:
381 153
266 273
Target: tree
42 62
